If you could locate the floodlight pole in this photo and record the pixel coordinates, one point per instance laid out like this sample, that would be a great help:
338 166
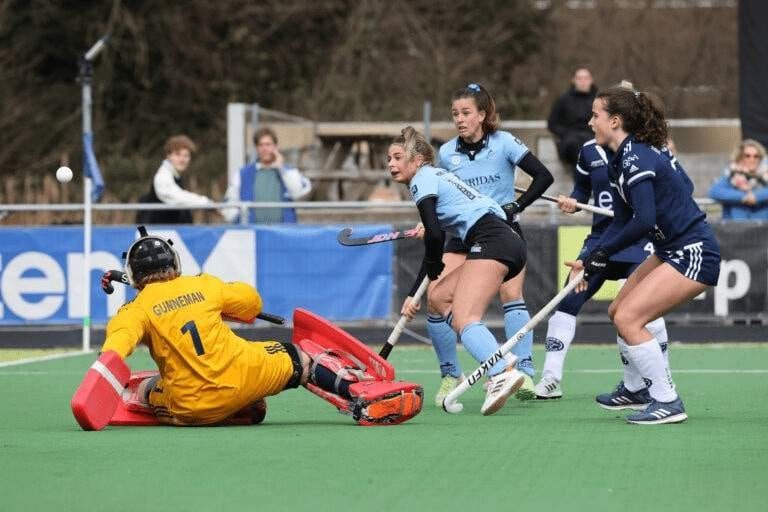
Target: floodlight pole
85 77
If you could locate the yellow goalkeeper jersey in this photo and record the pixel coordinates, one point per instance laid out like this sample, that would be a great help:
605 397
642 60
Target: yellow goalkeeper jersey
208 372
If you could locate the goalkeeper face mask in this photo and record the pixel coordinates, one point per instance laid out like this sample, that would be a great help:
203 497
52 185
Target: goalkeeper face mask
149 255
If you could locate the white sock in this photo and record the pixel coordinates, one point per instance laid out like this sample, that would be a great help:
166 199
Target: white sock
658 329
633 381
561 329
649 361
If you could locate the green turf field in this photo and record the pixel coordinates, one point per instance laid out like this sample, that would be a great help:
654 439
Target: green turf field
556 455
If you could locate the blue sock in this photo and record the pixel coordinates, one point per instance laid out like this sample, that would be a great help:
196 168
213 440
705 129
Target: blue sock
479 342
444 342
515 317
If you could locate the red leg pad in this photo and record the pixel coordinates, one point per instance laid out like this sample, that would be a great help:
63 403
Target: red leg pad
131 398
307 325
342 404
131 411
385 403
340 363
125 417
99 394
251 415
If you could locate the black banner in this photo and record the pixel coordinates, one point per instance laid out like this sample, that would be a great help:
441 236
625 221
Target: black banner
753 73
739 297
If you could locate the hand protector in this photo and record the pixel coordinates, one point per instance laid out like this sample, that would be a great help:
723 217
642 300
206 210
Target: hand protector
434 268
512 210
112 275
596 262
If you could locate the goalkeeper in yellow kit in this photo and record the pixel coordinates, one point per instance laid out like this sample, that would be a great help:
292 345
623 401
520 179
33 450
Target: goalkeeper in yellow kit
208 374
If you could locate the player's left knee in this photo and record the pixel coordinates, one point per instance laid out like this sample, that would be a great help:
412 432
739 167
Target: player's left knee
627 322
439 301
612 311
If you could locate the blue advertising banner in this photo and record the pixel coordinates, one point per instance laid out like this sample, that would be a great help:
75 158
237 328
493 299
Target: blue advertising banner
42 273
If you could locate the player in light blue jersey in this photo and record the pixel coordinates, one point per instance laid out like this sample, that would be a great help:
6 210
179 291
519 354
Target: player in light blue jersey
486 158
447 205
651 197
591 180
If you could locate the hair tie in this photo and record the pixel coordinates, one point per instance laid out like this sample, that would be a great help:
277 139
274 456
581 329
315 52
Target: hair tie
473 87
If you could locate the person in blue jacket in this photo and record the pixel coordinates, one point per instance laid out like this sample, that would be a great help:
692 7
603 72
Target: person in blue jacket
651 198
743 189
268 179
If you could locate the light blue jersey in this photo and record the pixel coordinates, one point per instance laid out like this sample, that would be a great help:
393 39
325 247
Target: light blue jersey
459 206
488 168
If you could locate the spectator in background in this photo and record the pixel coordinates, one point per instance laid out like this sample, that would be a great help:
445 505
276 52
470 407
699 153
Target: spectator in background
743 190
268 179
168 185
569 117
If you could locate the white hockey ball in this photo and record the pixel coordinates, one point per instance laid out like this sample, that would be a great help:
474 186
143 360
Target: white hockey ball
64 174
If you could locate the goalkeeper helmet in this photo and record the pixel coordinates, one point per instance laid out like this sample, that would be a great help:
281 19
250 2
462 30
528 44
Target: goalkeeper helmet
148 255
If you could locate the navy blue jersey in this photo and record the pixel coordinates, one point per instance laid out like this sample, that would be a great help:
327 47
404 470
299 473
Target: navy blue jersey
676 211
591 180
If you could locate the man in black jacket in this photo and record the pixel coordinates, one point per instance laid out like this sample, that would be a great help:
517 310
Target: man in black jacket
569 117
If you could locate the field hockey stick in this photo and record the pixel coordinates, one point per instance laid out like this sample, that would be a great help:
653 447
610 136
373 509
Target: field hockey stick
345 237
398 330
110 276
581 206
450 403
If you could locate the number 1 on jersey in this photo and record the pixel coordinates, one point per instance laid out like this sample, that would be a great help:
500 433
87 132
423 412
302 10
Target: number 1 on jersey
191 328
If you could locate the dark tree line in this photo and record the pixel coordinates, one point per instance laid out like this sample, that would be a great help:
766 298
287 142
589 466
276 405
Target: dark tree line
172 67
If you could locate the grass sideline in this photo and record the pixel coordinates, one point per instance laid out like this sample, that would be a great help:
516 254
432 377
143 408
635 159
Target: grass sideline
14 354
565 454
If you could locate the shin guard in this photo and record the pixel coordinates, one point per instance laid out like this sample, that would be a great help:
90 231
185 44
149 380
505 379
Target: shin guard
307 325
376 398
100 393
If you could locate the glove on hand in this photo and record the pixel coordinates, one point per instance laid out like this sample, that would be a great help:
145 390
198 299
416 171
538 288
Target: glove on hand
512 210
597 261
434 268
109 276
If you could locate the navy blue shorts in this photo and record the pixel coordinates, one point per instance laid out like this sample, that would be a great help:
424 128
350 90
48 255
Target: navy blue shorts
697 257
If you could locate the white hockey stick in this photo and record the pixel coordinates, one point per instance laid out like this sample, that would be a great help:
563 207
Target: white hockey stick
450 403
581 206
387 348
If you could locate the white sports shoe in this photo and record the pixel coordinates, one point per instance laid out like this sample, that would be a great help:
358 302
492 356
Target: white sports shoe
548 388
500 387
